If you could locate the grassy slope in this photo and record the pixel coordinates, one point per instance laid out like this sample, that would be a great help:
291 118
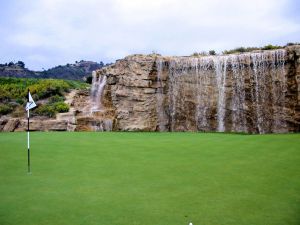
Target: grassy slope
13 95
150 178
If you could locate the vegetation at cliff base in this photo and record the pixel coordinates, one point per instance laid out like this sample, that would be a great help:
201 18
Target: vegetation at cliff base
51 108
13 94
150 178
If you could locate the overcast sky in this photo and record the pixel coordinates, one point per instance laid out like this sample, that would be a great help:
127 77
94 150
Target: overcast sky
45 33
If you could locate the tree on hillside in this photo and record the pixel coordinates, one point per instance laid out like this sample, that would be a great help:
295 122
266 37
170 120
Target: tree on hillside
212 52
11 64
21 64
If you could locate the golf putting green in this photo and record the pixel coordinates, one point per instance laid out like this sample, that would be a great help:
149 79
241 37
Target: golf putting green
150 179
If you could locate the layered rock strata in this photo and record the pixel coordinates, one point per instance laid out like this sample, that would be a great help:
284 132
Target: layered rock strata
257 92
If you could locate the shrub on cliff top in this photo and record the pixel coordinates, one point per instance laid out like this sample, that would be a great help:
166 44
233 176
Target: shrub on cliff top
271 47
212 52
250 49
293 43
240 50
197 54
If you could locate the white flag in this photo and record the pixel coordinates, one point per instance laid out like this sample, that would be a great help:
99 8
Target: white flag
30 104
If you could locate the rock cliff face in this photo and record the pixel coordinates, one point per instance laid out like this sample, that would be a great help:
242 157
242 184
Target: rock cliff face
256 92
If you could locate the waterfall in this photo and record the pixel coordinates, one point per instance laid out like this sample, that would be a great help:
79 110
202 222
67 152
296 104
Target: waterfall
269 88
161 115
258 61
102 121
173 93
220 66
98 83
180 71
279 90
239 93
202 66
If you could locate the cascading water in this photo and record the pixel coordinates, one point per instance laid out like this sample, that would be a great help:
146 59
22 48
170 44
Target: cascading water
98 83
202 104
202 66
260 97
220 66
101 122
173 93
161 115
238 94
269 82
279 89
243 84
196 70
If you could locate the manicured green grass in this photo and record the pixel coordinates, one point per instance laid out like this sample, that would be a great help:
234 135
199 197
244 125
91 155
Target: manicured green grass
150 179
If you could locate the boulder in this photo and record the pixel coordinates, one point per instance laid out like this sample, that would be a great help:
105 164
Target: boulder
11 125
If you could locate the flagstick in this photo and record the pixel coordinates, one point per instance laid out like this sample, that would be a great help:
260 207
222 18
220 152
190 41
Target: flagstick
28 148
30 105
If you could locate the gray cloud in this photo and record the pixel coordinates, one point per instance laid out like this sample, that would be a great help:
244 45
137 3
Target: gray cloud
50 32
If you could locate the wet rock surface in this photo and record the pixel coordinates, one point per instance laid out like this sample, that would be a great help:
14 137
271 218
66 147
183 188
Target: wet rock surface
255 92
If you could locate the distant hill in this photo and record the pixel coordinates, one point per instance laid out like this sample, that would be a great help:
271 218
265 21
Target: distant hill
16 70
77 71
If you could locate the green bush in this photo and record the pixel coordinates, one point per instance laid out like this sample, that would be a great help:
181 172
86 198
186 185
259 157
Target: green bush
249 49
5 109
56 98
89 80
61 107
50 109
293 43
240 50
4 94
19 111
76 84
46 88
212 52
198 54
45 110
20 101
271 47
16 88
